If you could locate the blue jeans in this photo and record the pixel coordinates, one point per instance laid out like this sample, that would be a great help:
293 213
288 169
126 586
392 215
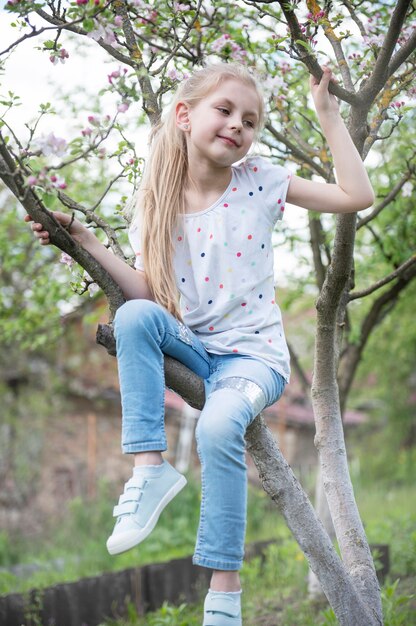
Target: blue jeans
237 388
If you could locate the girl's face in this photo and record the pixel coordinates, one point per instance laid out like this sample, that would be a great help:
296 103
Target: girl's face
222 126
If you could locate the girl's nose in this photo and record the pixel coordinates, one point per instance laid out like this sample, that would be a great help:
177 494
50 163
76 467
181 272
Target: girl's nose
236 124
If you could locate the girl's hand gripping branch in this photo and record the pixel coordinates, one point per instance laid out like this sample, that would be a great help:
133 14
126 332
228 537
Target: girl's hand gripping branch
74 226
326 104
133 284
353 191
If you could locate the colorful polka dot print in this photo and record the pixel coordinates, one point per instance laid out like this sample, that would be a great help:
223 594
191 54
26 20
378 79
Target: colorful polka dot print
223 261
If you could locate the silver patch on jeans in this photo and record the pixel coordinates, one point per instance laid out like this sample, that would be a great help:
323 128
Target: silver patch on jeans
251 390
184 333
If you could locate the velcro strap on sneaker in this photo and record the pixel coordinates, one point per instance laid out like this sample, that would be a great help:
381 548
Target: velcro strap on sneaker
132 495
125 508
223 605
137 482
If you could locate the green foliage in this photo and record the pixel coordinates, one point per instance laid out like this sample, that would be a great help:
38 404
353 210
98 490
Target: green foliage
73 544
275 593
29 312
395 606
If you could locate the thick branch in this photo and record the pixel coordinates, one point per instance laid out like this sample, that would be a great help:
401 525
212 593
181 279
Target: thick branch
317 240
380 73
284 489
402 54
150 104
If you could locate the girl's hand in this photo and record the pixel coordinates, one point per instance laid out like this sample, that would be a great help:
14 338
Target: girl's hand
325 102
76 230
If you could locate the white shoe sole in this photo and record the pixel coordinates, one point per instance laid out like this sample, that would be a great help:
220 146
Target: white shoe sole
124 541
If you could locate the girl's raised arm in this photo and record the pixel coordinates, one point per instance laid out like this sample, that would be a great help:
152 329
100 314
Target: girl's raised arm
132 283
353 191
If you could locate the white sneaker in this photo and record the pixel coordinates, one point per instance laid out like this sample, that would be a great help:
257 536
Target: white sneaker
222 609
139 506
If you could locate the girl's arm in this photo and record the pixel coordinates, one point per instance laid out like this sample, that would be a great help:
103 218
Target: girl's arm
353 191
132 283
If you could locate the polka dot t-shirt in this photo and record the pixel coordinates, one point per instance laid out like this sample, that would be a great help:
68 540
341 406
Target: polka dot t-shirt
223 264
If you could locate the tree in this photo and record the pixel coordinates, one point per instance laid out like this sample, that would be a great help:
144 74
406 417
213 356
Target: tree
371 46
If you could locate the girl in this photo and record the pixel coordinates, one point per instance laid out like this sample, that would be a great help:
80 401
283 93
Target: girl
203 228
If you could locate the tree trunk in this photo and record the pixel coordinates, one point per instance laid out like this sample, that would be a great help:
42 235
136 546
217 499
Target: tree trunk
315 590
329 438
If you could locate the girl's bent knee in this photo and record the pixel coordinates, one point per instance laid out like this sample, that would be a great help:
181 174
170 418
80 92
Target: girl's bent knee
135 313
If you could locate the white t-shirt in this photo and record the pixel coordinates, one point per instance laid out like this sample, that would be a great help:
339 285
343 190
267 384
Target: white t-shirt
223 264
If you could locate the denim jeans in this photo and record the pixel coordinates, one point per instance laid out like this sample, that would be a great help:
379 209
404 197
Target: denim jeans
237 388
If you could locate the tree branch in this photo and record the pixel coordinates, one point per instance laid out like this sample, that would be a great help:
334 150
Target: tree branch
306 56
296 151
352 355
403 54
336 46
354 295
150 104
380 73
362 221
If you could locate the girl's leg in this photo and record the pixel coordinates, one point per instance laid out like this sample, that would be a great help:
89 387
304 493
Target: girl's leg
221 448
232 402
144 333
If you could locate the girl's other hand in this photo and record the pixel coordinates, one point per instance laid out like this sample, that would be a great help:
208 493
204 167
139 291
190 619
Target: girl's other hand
76 230
325 102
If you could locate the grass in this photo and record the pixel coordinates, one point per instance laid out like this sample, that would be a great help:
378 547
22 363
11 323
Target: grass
275 594
75 547
275 590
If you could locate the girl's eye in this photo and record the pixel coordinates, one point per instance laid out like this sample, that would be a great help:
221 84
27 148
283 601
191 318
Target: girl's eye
249 123
222 110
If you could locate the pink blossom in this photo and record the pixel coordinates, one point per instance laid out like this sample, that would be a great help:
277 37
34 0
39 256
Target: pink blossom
58 182
226 45
178 6
123 107
79 2
66 259
274 85
53 59
50 144
113 75
374 40
86 132
174 74
103 32
118 21
31 181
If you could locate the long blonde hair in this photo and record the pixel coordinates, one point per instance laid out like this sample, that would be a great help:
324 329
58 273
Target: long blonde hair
161 191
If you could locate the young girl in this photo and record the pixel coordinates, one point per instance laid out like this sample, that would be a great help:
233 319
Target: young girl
202 230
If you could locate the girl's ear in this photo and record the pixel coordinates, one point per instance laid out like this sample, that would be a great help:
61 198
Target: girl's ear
182 116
